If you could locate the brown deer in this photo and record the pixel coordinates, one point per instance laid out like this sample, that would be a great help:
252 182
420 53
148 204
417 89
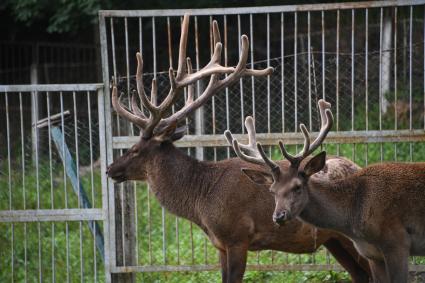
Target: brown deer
378 207
209 193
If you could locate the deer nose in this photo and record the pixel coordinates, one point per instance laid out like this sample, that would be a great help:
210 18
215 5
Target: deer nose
280 217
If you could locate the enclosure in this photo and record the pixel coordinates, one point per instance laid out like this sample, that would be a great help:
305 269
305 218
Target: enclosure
63 219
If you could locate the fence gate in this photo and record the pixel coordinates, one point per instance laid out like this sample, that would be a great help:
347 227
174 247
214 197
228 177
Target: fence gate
53 205
366 58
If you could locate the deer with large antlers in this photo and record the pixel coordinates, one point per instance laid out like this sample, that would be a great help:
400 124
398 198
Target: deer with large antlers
379 207
209 193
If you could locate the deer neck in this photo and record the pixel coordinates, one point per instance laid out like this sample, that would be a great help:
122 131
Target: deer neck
179 182
329 205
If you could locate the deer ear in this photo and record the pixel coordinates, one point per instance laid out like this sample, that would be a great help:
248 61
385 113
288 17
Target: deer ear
315 164
167 133
258 177
179 133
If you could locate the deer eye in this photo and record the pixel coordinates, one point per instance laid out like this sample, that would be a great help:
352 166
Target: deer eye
297 189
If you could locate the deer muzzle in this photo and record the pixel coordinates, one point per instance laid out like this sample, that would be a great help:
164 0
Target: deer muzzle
281 217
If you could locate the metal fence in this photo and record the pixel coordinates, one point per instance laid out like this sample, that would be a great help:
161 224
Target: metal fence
62 219
366 58
52 206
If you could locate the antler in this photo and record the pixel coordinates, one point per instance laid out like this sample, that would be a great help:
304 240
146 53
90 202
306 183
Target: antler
253 151
184 77
326 125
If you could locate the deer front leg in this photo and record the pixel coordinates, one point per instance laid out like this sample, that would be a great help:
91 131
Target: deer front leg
397 264
358 273
379 273
236 263
223 263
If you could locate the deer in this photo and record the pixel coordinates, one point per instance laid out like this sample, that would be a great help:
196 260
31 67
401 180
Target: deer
378 207
208 193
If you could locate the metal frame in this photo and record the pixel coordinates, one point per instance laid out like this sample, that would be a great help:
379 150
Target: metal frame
215 140
81 213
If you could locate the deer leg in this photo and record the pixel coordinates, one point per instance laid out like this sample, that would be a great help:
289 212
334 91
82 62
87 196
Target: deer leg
223 263
397 264
379 273
347 261
236 263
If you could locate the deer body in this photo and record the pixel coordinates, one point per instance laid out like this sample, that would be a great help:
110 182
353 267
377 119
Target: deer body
379 208
234 212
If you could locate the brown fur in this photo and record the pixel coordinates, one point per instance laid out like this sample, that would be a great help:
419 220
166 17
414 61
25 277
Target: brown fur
379 207
234 212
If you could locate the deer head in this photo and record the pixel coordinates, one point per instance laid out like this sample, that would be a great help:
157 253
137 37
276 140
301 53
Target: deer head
288 185
156 128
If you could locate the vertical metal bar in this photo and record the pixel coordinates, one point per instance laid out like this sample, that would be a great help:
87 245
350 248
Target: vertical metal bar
65 187
380 66
380 78
395 80
240 80
9 182
114 62
268 77
105 152
251 38
410 77
352 66
282 76
127 69
213 114
295 71
135 191
310 123
92 185
323 56
51 184
337 74
352 79
149 225
77 165
227 89
366 78
23 183
40 272
9 165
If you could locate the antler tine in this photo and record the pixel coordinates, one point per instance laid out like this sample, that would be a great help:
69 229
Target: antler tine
236 147
135 107
308 148
216 33
190 88
122 111
273 165
181 68
249 151
326 124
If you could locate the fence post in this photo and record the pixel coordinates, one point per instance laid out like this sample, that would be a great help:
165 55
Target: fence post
34 103
387 35
125 225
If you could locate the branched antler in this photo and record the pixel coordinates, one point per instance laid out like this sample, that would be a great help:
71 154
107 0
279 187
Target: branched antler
184 77
253 151
326 118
